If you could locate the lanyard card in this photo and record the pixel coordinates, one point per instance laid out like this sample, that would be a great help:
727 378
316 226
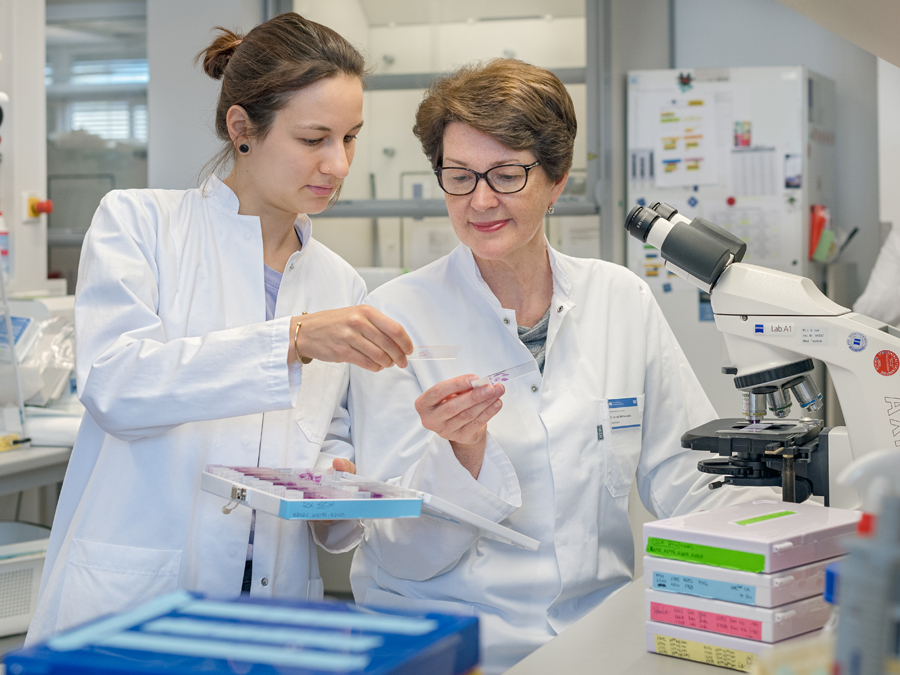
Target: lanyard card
624 413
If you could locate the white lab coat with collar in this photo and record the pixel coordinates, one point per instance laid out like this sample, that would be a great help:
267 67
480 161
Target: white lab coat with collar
881 299
178 368
557 468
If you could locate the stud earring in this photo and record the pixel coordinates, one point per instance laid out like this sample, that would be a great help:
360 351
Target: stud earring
550 209
244 148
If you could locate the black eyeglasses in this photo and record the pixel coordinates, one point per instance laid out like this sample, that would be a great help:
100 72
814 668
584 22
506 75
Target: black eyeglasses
505 179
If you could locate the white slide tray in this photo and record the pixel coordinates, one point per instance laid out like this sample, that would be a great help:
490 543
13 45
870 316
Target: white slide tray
746 588
716 650
307 494
759 536
730 618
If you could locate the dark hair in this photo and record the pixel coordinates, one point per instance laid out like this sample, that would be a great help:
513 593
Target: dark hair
519 105
261 70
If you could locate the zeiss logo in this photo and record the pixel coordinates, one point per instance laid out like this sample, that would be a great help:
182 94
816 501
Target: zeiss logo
759 328
857 342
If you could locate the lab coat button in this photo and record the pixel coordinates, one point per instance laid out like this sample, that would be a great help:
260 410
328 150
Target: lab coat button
559 310
506 320
264 581
534 388
292 265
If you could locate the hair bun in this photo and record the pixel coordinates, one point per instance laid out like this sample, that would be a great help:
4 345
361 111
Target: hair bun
216 56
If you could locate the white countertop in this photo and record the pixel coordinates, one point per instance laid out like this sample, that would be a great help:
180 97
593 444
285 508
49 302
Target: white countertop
26 468
610 640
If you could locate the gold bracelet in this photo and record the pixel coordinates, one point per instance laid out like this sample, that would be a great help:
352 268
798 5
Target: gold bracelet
302 359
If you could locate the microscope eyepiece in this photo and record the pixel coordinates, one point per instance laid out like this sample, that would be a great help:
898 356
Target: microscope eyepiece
640 221
664 210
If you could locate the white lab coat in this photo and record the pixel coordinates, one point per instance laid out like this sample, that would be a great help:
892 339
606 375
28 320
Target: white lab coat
881 299
554 468
178 368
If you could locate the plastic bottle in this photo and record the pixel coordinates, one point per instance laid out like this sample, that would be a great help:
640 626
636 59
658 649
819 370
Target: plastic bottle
869 586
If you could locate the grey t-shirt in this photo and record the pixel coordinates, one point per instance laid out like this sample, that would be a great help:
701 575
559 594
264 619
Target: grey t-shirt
535 338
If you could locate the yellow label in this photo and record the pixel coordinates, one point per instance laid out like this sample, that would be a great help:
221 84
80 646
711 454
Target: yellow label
892 667
696 651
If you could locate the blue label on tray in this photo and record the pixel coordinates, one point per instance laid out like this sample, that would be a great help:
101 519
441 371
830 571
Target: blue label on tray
705 588
346 509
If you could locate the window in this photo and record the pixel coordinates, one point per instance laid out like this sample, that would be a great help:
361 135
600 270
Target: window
109 71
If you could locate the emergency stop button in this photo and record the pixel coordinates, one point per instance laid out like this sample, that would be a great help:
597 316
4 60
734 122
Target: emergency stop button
36 207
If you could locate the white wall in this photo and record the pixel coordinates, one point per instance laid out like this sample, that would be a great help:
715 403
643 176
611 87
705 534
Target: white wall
889 141
181 98
24 144
733 33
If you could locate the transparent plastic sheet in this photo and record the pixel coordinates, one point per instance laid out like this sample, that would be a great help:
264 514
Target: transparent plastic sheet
46 368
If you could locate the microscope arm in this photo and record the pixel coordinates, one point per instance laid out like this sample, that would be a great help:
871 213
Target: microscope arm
775 323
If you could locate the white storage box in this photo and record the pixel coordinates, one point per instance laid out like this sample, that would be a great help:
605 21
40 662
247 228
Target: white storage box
759 536
23 548
728 618
716 650
746 588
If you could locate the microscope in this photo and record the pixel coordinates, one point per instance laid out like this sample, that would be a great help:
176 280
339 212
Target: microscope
774 325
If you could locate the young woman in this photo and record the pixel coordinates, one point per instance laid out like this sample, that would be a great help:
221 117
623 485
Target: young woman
555 458
213 329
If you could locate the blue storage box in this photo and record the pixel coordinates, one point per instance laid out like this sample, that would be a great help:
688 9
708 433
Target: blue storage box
186 632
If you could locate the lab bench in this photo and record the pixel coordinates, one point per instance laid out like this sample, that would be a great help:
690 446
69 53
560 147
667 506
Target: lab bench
32 467
611 639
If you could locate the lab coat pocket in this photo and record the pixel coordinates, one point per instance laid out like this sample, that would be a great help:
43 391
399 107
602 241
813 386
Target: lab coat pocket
375 597
321 388
623 427
106 578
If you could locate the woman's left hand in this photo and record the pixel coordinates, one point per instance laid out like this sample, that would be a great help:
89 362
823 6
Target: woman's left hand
345 465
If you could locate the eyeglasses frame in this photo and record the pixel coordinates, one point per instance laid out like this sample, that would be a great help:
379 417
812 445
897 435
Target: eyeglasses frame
479 176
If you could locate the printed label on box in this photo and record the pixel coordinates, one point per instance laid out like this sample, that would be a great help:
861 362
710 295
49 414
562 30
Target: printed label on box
709 621
705 588
697 651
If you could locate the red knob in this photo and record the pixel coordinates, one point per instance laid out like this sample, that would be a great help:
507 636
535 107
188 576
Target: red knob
45 206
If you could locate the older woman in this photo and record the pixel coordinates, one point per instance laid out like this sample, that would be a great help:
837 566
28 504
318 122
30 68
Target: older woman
555 458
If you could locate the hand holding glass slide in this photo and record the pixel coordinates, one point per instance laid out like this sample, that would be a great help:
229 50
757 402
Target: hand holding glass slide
459 409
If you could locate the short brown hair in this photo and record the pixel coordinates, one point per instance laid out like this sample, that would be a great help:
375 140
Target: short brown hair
261 70
519 105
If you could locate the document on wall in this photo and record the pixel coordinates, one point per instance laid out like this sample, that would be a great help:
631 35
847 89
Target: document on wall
756 172
761 225
686 145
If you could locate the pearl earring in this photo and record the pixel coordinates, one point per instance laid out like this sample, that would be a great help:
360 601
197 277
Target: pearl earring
550 209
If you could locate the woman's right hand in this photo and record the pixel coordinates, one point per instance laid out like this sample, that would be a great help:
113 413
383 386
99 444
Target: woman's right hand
458 413
360 335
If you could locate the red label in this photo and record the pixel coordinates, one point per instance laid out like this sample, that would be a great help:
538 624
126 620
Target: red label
886 362
716 623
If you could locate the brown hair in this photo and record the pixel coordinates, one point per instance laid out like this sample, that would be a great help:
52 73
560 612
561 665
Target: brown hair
261 70
519 105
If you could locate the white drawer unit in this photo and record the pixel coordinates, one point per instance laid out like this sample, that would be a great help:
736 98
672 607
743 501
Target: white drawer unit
23 548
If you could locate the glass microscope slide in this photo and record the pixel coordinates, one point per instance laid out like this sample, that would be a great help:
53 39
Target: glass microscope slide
435 353
503 376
